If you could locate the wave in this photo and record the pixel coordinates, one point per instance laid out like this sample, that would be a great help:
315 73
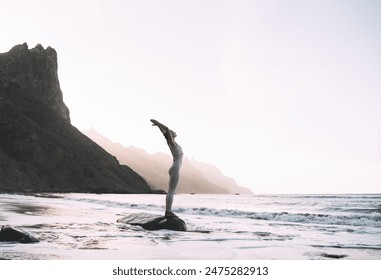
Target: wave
372 220
361 217
116 204
359 210
363 210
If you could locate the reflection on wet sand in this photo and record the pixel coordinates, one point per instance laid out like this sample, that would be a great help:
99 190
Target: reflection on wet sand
28 209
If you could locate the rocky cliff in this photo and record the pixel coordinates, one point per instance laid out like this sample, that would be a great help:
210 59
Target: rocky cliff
40 151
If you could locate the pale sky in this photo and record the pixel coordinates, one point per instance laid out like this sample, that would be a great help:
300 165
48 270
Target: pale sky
284 96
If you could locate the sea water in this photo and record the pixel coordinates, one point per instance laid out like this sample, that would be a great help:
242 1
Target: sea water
285 227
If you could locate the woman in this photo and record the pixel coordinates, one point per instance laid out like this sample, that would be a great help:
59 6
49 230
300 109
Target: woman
174 171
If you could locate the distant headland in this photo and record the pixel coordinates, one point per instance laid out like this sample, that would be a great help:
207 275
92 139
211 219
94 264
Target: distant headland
196 177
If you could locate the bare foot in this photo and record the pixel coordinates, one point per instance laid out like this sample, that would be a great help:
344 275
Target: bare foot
170 214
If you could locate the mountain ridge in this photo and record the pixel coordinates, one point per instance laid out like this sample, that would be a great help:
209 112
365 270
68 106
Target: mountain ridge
195 177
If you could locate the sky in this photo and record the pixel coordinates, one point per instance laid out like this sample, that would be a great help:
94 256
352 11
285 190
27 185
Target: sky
282 95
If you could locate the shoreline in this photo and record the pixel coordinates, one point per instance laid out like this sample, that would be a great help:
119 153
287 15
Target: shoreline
84 226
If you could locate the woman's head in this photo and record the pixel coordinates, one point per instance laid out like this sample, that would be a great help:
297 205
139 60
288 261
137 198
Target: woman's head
173 133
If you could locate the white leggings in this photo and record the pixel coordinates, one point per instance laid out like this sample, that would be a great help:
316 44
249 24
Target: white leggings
174 176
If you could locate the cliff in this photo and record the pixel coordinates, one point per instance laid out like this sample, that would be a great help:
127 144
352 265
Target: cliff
196 177
40 151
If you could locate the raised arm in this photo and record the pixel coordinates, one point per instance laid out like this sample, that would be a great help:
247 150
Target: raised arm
161 126
166 132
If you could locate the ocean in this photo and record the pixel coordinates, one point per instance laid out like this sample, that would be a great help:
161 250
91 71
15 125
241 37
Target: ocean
221 227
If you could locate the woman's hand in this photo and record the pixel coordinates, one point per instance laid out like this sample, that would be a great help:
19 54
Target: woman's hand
154 122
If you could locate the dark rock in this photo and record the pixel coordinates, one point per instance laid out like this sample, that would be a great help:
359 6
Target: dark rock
333 256
165 223
40 151
9 234
154 222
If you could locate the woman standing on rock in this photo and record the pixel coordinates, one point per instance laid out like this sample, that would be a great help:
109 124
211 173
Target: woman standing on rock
174 171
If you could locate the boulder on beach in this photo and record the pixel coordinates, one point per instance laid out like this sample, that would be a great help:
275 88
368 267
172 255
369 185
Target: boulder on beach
154 222
10 234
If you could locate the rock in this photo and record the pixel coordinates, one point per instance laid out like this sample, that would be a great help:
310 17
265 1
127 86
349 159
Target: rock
176 224
154 222
9 234
40 151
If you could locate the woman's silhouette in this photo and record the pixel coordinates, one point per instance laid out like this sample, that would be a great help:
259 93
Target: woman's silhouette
174 171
